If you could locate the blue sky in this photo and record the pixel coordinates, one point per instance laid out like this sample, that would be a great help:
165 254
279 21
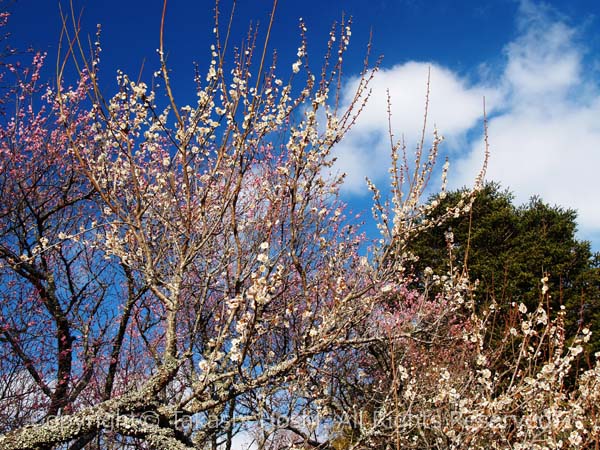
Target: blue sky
537 64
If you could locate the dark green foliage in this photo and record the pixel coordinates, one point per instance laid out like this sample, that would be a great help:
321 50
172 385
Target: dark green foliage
510 248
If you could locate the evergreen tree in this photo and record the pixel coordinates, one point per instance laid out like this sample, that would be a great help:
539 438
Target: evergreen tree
509 248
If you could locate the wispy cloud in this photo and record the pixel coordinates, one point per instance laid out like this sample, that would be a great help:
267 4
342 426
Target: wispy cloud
546 140
544 111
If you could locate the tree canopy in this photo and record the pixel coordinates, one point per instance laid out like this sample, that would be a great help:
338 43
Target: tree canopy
509 248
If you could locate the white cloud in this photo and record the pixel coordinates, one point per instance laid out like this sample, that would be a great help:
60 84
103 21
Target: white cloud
455 107
546 141
543 60
544 126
